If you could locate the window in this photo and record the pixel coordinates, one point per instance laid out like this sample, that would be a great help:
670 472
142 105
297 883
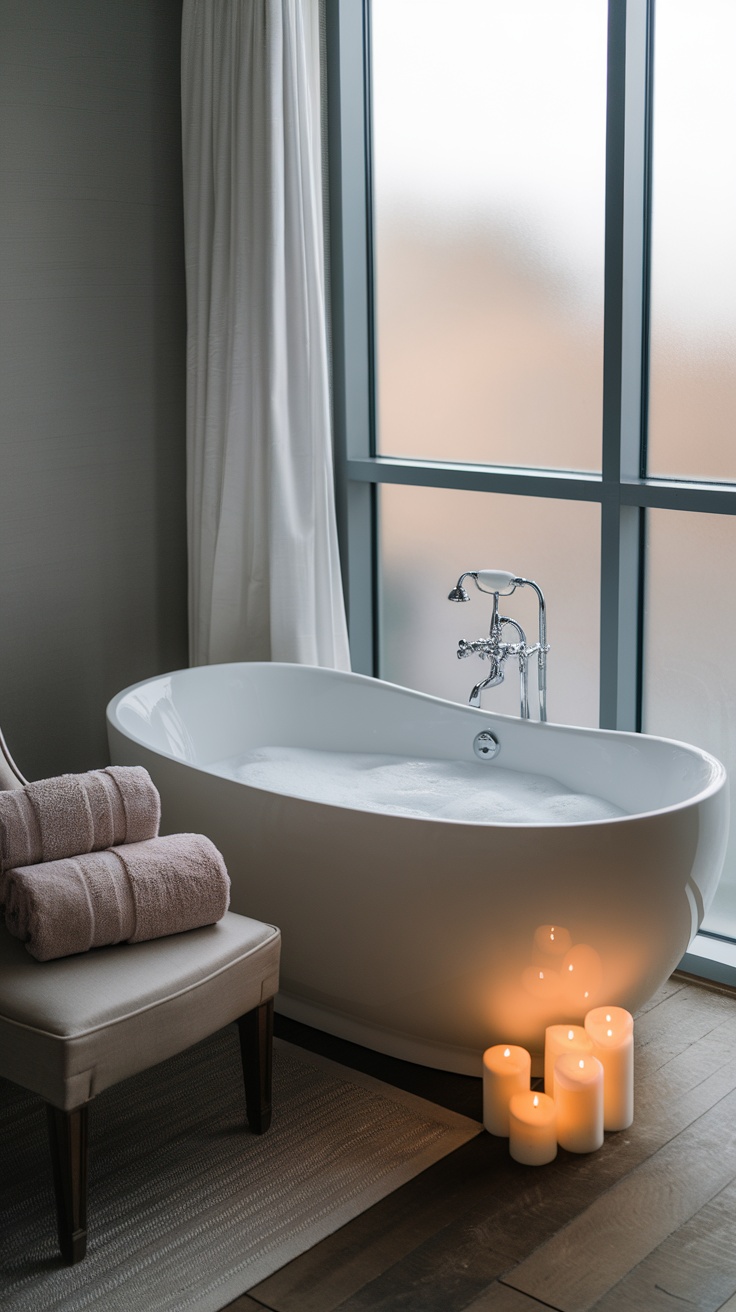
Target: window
534 320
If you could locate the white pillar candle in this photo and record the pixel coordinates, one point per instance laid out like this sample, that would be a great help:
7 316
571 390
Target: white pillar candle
611 1031
532 1133
579 1103
560 1039
507 1070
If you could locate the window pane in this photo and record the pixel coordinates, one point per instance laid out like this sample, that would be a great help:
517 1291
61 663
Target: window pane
690 632
430 536
489 140
693 353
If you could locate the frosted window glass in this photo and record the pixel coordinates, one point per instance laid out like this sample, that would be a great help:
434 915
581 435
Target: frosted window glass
429 536
693 337
489 159
690 635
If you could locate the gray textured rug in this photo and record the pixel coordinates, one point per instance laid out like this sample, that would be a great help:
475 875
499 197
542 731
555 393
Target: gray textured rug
186 1210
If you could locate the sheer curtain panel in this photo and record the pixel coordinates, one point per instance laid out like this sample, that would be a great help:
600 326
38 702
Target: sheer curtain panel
263 557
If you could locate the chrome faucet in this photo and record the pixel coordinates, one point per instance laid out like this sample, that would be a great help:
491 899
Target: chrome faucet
498 583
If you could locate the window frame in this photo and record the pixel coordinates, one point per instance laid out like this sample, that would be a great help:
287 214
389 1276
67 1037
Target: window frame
623 490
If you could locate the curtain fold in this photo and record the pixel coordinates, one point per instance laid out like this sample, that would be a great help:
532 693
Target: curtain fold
264 576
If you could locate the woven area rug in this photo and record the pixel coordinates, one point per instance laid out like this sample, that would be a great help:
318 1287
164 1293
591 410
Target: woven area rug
186 1209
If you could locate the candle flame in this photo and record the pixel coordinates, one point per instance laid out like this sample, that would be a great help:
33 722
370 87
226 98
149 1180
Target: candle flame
609 1033
586 994
541 974
507 1052
535 1101
552 937
581 1064
571 967
608 1019
571 1034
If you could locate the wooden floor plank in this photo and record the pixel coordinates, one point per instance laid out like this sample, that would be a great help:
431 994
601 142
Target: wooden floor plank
421 1287
696 1266
245 1304
694 1078
624 1226
681 1019
674 984
501 1298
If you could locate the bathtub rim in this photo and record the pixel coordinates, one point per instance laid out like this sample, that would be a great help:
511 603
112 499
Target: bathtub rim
716 783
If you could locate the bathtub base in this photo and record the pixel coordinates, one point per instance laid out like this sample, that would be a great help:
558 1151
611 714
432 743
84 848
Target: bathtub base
438 1056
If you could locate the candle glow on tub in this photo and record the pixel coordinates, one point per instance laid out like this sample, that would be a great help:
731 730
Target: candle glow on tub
550 944
541 982
579 1102
507 1070
611 1031
581 973
560 1039
532 1128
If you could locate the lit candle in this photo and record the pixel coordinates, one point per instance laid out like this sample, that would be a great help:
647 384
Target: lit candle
560 1039
532 1134
611 1031
506 1070
579 1103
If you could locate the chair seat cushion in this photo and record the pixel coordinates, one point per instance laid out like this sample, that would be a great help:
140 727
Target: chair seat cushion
73 1026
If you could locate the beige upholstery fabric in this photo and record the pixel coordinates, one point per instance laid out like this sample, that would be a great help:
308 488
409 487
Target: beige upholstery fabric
71 1027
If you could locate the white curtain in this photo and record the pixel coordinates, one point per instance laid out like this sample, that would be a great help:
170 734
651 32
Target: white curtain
263 559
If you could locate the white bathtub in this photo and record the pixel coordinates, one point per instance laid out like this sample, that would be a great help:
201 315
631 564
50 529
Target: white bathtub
430 939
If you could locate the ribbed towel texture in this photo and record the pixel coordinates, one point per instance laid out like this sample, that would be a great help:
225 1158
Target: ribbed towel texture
130 893
76 813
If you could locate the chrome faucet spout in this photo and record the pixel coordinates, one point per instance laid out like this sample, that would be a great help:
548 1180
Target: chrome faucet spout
493 680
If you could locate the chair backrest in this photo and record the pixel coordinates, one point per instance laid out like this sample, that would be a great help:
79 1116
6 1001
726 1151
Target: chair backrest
10 775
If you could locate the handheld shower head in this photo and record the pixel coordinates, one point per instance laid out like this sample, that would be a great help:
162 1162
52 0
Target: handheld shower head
486 580
459 593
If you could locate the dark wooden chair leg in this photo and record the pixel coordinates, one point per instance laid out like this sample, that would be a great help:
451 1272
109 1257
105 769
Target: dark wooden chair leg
256 1051
68 1143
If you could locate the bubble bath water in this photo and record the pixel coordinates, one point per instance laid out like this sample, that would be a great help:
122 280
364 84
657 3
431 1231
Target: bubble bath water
424 788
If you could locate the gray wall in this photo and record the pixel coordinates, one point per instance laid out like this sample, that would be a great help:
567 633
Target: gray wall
92 368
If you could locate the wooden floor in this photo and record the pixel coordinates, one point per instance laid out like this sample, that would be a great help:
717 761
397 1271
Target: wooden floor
646 1224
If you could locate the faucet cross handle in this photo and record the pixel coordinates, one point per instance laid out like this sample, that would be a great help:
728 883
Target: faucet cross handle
483 647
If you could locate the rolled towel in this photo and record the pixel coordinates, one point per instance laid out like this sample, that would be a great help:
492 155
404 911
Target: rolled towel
76 813
131 893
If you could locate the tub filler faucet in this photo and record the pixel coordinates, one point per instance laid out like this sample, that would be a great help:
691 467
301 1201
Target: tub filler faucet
498 583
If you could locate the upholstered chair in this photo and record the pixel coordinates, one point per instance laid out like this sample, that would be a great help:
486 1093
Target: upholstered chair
72 1027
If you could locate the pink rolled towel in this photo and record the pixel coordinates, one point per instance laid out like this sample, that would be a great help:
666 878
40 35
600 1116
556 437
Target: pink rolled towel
130 893
76 813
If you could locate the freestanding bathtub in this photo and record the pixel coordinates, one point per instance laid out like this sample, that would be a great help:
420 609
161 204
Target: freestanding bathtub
431 938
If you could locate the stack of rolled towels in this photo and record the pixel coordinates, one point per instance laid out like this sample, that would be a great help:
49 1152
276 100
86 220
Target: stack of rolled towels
82 865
